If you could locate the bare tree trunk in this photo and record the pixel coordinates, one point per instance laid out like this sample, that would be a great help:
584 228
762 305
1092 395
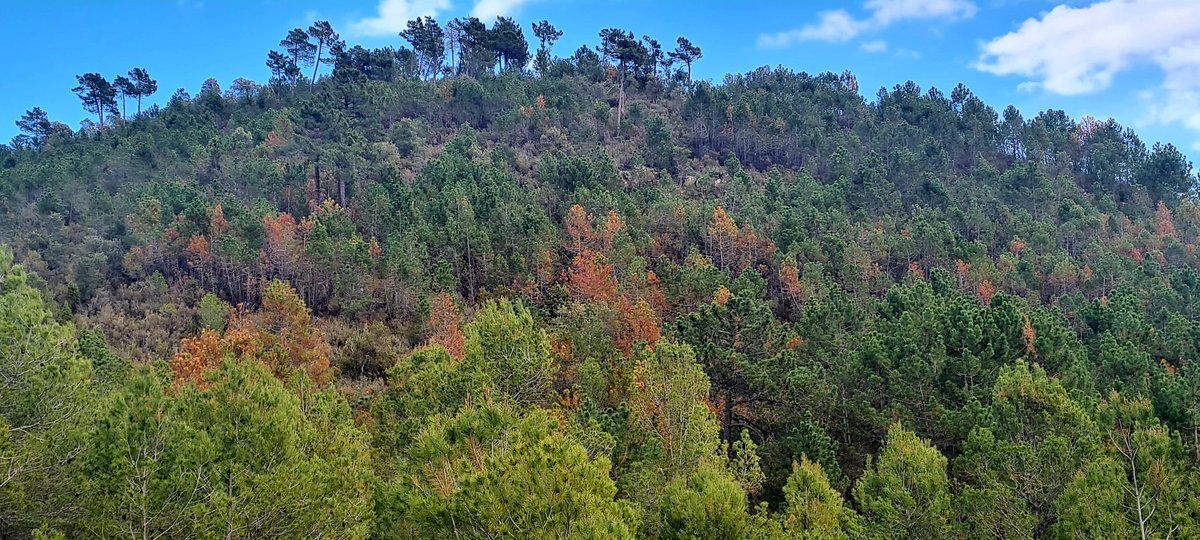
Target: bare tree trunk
621 99
727 428
317 62
317 181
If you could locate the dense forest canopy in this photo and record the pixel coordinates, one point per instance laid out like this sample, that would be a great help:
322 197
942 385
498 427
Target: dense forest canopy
471 287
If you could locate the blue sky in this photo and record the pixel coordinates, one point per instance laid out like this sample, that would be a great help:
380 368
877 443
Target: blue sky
1137 61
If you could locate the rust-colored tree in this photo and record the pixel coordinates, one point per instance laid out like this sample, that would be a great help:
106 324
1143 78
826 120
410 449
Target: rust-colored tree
962 270
1164 221
280 248
722 296
285 328
197 355
604 235
281 334
722 239
985 291
217 224
1016 246
639 324
789 280
579 229
1028 334
590 278
445 325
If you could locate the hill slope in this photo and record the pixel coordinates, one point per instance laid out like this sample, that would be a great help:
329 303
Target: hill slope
602 300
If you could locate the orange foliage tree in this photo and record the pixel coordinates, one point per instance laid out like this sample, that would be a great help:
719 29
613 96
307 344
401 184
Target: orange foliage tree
197 355
734 249
217 224
1029 336
639 324
1164 222
722 239
280 334
985 291
280 247
579 228
582 235
590 278
445 322
284 327
789 279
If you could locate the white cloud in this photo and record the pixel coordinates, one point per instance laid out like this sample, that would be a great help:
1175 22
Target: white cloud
1072 51
394 15
908 54
486 10
1028 86
833 26
1177 100
839 26
876 46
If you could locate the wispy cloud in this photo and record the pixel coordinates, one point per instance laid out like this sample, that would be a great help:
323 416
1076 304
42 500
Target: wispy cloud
833 26
1080 50
876 46
839 26
486 10
393 16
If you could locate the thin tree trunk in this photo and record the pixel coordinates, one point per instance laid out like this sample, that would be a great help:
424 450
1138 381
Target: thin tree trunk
317 182
621 99
728 427
229 509
317 63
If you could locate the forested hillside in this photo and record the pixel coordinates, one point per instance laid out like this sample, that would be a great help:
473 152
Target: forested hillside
472 287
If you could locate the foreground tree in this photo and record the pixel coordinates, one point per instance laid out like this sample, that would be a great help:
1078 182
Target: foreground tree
1017 465
237 458
814 509
45 386
707 504
1141 488
905 492
489 472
